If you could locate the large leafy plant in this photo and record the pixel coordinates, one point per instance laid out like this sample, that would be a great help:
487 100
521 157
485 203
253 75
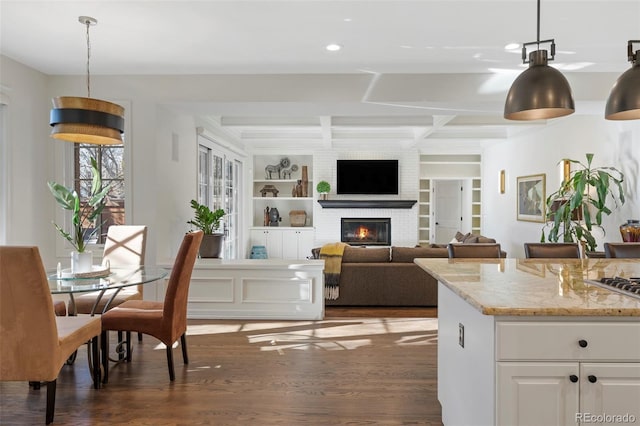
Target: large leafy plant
82 213
205 219
578 205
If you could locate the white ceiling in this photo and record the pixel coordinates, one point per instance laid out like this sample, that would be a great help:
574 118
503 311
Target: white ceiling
393 51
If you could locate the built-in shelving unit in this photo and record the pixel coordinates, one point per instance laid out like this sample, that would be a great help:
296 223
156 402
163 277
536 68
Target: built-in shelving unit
276 190
466 168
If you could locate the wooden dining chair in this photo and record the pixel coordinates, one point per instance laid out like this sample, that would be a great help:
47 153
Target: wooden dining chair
166 321
475 250
35 343
125 245
551 251
622 250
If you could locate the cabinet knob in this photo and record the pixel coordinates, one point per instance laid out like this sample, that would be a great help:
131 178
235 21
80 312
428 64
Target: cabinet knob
592 378
573 378
583 343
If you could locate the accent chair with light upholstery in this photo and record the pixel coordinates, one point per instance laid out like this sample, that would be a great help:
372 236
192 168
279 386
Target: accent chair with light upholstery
622 250
478 250
125 245
551 251
166 321
35 343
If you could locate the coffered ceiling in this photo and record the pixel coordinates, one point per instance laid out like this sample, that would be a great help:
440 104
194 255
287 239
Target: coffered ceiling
418 73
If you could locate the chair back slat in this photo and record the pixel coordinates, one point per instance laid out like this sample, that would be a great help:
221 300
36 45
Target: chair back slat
551 251
27 319
125 245
475 250
175 300
622 250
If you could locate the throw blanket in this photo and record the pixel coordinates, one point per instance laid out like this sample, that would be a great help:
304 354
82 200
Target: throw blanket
332 255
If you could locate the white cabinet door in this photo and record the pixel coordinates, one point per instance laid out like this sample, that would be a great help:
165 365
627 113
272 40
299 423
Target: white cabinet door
608 389
306 238
536 393
271 239
297 244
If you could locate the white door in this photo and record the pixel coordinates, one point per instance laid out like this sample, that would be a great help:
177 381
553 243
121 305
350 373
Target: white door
537 393
447 209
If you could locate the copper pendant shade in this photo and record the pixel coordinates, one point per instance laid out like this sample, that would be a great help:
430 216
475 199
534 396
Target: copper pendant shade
540 92
87 120
624 99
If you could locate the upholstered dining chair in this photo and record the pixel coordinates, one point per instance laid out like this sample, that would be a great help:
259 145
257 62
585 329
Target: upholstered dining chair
476 250
166 321
35 343
551 250
125 245
622 250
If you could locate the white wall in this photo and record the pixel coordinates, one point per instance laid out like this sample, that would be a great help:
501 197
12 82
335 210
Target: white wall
28 164
614 144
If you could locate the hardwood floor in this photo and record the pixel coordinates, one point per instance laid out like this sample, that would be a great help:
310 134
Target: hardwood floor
357 366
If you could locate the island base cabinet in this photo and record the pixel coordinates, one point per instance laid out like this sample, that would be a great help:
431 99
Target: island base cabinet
610 390
537 393
569 393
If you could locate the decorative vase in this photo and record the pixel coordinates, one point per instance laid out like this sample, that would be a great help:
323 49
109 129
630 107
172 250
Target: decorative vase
630 231
81 262
211 246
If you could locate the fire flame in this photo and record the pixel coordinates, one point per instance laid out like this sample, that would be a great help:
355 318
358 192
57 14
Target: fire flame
362 233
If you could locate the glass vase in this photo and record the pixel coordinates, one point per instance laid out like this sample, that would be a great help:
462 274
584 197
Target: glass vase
81 262
630 231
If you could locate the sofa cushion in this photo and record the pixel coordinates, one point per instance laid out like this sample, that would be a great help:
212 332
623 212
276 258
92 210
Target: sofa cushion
482 239
470 239
407 254
365 255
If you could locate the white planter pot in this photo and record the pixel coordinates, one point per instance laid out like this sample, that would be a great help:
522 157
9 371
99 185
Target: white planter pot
81 262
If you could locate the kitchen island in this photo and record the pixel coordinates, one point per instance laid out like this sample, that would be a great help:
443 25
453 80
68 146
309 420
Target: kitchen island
530 341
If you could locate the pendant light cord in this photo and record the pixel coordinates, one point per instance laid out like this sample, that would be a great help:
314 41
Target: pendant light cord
538 33
88 23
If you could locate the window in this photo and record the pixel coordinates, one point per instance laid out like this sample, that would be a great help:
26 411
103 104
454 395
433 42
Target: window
110 159
219 186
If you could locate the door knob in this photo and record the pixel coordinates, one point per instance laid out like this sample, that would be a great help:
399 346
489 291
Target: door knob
583 343
573 378
592 378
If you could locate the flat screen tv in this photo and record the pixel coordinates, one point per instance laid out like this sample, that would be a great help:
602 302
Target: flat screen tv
373 177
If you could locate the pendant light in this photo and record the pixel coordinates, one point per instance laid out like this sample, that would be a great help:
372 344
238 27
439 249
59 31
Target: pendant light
87 120
624 99
541 91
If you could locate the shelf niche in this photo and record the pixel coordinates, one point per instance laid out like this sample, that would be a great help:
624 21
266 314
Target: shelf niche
367 204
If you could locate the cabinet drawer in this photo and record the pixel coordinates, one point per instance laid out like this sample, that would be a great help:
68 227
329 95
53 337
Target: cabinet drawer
615 341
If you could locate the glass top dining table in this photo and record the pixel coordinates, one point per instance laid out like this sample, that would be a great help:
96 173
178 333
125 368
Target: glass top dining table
118 278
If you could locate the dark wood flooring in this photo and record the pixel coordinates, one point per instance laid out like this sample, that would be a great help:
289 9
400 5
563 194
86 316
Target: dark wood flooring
357 366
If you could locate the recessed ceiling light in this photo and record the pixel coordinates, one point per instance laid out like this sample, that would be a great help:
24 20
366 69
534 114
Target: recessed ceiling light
347 19
333 47
512 46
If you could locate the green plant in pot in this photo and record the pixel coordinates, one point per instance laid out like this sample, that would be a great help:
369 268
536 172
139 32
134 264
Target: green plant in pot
83 215
323 189
577 207
209 222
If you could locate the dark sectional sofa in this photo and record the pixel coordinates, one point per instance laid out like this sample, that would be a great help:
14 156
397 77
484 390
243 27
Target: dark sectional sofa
387 276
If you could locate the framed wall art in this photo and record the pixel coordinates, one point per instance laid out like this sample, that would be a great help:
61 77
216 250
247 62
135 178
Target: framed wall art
531 198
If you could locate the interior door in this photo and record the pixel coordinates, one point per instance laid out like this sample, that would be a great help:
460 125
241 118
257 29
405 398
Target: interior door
447 209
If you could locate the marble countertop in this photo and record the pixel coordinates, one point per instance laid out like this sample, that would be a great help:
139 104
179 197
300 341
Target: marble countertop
537 287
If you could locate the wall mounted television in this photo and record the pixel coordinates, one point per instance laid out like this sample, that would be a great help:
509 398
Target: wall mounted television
372 177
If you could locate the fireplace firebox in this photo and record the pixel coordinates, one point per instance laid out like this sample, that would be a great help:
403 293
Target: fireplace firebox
357 231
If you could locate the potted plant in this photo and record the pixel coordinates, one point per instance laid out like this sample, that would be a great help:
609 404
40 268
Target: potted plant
578 205
83 215
323 189
209 222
